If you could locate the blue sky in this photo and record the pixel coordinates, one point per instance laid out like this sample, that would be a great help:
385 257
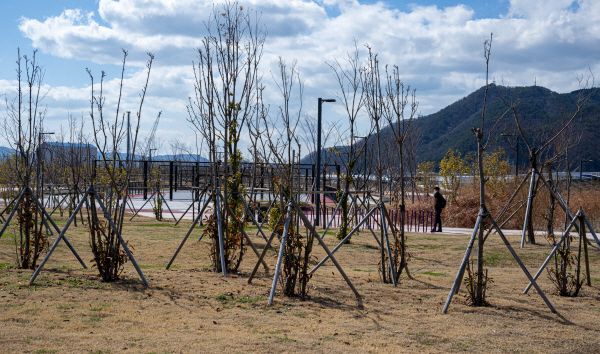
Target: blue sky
436 44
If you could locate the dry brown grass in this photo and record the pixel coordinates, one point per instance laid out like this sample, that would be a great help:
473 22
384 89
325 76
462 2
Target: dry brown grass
463 213
189 310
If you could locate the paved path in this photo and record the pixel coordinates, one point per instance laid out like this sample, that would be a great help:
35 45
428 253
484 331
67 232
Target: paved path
183 199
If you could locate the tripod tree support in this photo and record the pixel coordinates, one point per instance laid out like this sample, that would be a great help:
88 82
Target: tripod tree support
387 241
529 206
337 265
281 251
221 240
463 265
483 213
344 240
61 235
580 216
267 213
230 212
198 198
196 220
264 252
253 220
143 205
12 213
94 194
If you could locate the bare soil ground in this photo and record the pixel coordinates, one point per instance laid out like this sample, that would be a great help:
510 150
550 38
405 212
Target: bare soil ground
190 309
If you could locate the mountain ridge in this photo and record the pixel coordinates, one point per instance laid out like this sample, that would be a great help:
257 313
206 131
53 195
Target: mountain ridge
540 111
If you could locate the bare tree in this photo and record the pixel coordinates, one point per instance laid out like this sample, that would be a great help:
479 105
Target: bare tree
350 81
402 112
112 174
376 109
226 85
533 153
23 129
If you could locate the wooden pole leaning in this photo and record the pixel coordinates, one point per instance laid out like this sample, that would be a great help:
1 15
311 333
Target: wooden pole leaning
8 206
196 220
334 213
220 230
463 264
335 262
130 203
167 204
368 226
583 236
387 241
507 205
516 257
484 213
579 216
198 198
264 252
249 212
267 214
560 241
529 205
230 212
61 235
12 213
561 202
589 225
343 241
281 251
143 205
43 210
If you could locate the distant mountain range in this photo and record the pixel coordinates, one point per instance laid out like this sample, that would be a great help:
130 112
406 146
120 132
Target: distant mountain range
540 110
4 151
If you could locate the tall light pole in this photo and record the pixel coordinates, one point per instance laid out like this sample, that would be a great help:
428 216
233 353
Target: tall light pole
151 154
128 137
517 160
581 168
318 184
41 178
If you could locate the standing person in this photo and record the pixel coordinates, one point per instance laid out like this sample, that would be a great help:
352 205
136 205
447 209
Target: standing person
438 204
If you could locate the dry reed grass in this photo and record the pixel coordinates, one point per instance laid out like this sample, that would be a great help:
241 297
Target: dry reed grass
463 213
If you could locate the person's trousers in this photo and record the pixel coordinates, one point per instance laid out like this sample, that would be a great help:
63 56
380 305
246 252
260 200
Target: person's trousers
437 224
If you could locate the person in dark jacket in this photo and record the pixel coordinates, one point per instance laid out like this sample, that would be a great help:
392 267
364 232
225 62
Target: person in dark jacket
438 205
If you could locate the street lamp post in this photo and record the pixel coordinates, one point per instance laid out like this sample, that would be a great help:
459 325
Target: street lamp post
41 178
581 168
128 138
151 154
318 184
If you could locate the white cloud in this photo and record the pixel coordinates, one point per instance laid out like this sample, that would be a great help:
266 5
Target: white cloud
439 50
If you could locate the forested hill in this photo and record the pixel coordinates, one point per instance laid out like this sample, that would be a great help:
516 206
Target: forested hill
541 113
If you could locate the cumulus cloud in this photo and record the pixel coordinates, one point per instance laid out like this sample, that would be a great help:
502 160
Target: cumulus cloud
438 49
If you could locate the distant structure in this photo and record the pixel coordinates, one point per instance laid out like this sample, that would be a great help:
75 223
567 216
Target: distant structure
68 154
